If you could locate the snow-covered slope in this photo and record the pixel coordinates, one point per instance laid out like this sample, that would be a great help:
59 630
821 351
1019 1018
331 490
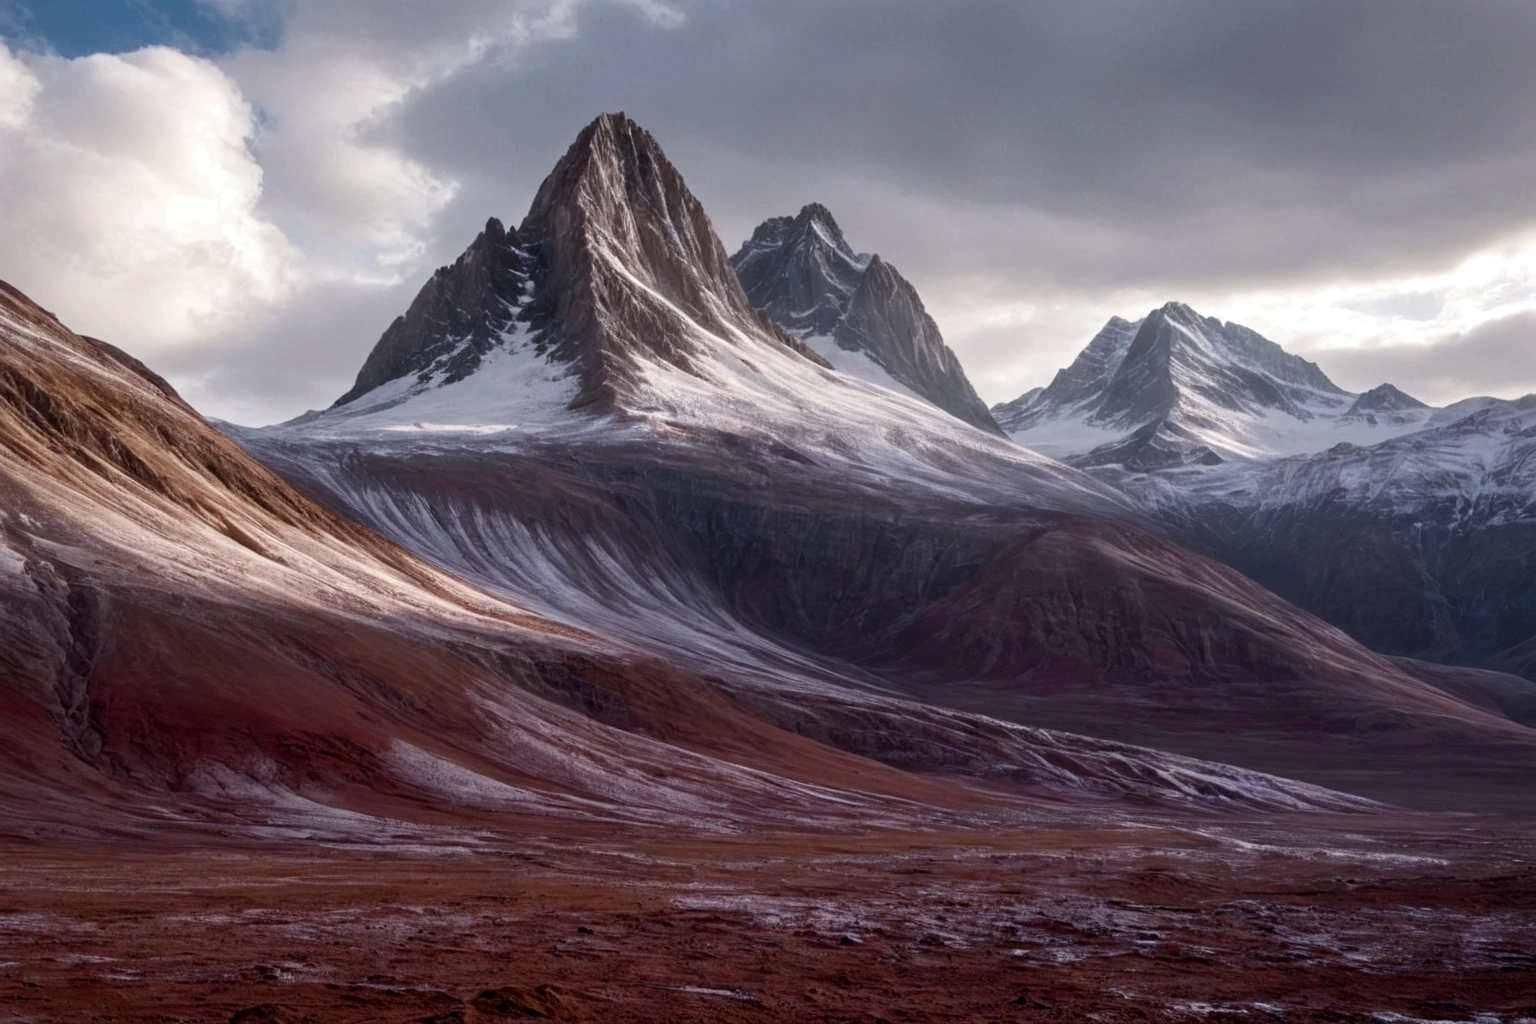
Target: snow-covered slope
188 643
1176 388
1423 544
854 309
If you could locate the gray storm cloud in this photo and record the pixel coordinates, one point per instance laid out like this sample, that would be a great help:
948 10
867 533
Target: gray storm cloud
1075 159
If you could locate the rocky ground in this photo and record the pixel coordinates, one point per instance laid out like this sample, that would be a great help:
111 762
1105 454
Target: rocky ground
1336 918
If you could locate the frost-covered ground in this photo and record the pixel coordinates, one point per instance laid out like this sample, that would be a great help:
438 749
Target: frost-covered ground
1108 922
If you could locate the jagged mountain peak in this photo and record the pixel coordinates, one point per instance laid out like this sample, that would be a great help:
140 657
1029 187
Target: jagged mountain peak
615 270
632 265
1210 340
1178 388
615 192
801 270
813 226
855 309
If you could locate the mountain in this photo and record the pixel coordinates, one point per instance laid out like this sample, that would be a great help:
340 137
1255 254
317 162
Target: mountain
853 309
1176 388
1421 545
1408 527
1388 403
613 303
836 559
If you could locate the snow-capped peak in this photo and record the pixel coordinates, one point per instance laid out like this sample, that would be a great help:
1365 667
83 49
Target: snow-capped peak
614 311
1176 388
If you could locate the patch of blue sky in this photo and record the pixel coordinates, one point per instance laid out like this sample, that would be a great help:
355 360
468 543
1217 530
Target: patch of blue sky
73 28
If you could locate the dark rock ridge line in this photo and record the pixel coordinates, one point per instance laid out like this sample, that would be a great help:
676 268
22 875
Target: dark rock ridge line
802 272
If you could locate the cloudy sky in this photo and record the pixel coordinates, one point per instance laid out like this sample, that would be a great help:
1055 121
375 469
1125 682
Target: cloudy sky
245 192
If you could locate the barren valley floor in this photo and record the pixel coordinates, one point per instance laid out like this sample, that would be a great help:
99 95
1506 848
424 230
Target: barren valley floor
1315 918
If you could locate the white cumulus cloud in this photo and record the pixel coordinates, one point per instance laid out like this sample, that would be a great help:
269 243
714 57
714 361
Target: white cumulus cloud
131 196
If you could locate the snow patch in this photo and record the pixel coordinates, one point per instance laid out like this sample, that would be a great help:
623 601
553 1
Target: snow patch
515 388
858 363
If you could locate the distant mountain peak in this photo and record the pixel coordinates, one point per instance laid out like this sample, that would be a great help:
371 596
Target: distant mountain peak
853 308
1384 398
1178 388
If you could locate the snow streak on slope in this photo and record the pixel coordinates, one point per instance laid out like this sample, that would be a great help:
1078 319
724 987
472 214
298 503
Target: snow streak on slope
1471 462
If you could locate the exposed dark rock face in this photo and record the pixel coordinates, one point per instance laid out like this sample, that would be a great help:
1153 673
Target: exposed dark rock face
801 270
457 317
803 273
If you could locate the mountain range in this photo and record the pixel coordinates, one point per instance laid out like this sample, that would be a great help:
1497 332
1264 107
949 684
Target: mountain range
769 469
1410 527
615 527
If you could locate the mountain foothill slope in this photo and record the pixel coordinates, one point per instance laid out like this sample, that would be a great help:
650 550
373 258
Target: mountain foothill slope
192 646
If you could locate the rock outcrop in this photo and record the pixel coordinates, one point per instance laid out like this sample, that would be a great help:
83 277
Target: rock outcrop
802 272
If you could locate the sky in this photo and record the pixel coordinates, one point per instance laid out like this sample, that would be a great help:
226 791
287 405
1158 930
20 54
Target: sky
244 193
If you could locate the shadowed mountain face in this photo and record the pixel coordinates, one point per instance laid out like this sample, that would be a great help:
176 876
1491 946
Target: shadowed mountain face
1423 545
1408 527
815 546
458 317
853 308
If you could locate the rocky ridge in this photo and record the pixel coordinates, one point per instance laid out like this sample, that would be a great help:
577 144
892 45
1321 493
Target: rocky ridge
802 272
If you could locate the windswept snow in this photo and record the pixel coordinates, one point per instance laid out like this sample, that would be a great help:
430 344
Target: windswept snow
11 563
857 363
514 389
